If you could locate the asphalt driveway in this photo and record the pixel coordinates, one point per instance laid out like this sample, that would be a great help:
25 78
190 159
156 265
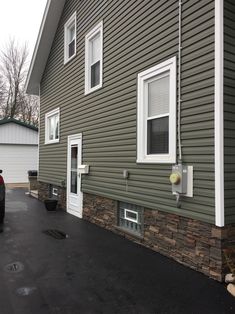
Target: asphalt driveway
91 271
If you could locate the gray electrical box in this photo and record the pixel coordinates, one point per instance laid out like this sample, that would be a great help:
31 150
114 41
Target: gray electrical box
179 179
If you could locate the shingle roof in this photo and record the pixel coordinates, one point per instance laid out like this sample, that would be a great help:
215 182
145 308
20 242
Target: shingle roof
9 120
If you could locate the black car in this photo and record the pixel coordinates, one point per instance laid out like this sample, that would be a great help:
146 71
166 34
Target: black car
2 201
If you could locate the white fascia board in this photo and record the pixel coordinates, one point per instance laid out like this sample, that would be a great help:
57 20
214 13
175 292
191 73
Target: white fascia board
43 45
219 113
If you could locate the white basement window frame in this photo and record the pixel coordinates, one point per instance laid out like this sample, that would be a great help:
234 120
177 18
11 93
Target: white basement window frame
70 38
94 59
52 126
157 113
131 215
55 191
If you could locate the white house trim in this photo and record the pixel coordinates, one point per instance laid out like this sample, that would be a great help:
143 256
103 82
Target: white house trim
158 70
43 45
97 29
48 115
72 20
219 113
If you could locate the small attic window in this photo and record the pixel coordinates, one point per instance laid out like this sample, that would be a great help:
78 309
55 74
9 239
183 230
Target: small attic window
70 38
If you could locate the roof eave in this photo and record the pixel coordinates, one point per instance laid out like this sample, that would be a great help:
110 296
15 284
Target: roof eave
43 45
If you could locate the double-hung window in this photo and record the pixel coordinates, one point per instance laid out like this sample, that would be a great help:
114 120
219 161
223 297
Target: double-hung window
70 38
52 126
156 125
94 59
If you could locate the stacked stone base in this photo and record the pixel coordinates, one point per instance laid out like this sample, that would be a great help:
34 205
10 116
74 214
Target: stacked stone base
193 243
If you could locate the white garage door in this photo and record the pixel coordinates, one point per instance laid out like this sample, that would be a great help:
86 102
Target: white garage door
16 160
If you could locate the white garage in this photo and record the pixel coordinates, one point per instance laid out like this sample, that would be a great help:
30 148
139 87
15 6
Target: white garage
18 150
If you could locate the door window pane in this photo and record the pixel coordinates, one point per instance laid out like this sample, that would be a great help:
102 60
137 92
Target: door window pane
73 187
158 136
74 154
158 96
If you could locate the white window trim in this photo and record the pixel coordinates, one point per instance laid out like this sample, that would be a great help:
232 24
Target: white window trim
131 219
47 116
97 29
142 156
67 25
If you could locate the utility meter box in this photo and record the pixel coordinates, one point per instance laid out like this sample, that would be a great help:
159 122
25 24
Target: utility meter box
179 179
83 169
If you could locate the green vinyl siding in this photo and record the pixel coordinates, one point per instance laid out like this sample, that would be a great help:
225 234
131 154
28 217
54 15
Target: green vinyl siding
137 36
229 109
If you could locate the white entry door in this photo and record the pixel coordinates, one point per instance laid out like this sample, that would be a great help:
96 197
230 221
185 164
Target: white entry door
74 194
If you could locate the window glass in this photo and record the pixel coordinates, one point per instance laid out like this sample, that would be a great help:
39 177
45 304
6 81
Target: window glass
95 48
94 58
156 113
158 96
73 183
52 126
70 38
158 136
130 217
72 33
57 127
95 74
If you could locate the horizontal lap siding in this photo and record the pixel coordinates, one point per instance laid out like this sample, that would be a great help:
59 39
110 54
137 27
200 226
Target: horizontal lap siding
229 109
137 36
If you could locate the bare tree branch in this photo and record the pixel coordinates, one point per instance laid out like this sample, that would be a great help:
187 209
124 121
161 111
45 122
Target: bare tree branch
14 103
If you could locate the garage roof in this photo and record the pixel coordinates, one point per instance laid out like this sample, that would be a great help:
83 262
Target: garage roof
10 120
43 45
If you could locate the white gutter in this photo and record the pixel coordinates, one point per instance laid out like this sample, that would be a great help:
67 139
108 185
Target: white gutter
219 113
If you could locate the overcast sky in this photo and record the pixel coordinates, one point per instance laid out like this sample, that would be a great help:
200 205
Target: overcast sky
21 19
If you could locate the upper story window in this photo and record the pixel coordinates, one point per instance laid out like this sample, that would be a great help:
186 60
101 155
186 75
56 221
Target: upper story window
94 59
156 125
52 119
70 38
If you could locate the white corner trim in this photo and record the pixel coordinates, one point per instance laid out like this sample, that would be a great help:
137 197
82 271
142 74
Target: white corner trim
219 113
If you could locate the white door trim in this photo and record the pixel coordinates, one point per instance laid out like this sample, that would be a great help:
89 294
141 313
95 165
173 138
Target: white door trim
219 113
70 138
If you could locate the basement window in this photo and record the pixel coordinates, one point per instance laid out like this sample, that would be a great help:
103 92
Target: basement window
130 218
156 125
55 191
52 126
94 59
70 38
